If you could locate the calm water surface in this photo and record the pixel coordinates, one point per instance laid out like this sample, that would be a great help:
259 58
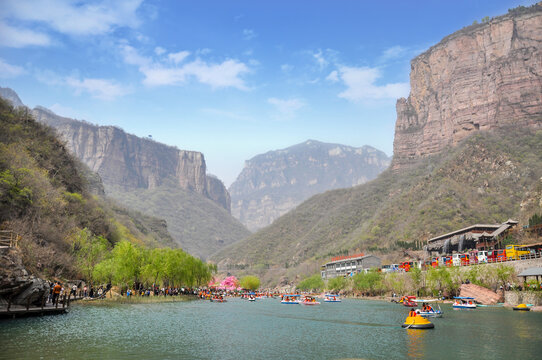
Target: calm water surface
266 329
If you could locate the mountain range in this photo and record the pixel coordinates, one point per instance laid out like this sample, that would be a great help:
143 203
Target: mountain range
153 178
467 149
274 183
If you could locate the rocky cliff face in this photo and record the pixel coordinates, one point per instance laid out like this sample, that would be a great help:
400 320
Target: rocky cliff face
129 162
482 77
272 184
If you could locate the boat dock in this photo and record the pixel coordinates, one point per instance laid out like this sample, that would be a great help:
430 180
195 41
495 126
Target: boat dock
61 306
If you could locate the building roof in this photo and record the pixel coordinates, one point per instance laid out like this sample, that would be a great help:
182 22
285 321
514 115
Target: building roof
535 271
350 259
497 230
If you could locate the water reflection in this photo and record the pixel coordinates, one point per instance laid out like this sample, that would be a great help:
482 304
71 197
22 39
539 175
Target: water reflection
416 343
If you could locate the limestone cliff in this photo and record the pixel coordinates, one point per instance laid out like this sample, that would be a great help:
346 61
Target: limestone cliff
482 77
274 183
129 162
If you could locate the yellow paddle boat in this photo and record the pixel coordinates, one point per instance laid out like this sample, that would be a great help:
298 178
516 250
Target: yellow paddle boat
417 322
521 307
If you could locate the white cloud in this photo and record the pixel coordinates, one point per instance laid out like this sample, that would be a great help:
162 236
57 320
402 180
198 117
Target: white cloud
333 76
132 57
360 83
178 56
320 59
225 74
159 50
393 52
18 37
287 108
75 17
217 75
249 34
99 88
10 71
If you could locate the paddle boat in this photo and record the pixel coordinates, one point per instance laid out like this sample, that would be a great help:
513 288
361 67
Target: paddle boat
291 299
522 307
331 298
218 298
428 310
464 302
251 298
310 300
408 301
417 322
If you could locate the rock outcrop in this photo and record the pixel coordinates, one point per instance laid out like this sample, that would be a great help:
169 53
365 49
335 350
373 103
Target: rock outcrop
482 77
274 183
129 162
16 285
481 294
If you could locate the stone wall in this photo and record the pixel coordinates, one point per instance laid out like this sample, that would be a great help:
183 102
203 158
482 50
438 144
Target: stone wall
523 297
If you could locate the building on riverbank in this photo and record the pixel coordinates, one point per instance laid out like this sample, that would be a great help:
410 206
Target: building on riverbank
478 236
349 265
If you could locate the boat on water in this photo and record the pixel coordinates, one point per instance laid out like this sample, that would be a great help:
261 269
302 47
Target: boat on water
408 301
427 309
464 302
290 299
218 299
417 322
331 298
522 307
310 300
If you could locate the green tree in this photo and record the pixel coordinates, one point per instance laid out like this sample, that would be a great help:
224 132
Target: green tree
504 273
89 250
154 266
336 284
127 260
416 275
369 282
250 282
314 282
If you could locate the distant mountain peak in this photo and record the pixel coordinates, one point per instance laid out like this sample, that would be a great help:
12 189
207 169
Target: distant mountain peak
11 96
275 182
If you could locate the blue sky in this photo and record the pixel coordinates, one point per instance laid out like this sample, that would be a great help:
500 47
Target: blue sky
231 79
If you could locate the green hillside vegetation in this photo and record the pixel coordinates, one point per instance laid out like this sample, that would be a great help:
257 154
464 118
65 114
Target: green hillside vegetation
425 283
198 224
65 230
482 180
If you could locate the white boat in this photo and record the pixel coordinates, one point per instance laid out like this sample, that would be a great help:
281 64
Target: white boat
291 299
310 300
464 302
432 311
331 298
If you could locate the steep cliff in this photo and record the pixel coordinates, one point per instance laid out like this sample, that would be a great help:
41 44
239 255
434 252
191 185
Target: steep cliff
273 183
153 178
482 77
130 162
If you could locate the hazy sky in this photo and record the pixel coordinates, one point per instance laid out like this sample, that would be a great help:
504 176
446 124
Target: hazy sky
231 79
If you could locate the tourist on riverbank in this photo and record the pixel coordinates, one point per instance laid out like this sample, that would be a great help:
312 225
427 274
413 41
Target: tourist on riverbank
57 288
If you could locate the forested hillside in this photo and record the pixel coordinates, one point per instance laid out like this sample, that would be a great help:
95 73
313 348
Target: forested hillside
65 231
483 179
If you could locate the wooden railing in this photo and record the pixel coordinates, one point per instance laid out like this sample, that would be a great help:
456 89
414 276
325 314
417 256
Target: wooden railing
9 238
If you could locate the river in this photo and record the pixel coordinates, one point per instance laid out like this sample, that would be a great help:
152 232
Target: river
266 329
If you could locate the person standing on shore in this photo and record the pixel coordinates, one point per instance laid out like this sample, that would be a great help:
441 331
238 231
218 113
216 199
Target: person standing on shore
56 291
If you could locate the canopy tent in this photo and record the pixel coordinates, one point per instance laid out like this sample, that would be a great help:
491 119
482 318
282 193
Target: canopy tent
535 271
